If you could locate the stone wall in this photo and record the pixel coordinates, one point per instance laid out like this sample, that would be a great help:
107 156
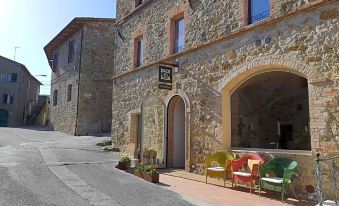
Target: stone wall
97 61
204 22
283 7
304 43
63 116
124 7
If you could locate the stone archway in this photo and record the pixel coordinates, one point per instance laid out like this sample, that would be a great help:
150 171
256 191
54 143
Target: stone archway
187 115
241 74
176 139
271 111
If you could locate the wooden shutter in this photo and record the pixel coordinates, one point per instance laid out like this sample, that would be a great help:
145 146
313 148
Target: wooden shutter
14 77
4 98
55 62
70 51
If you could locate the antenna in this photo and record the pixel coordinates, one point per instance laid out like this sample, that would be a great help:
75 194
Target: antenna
15 48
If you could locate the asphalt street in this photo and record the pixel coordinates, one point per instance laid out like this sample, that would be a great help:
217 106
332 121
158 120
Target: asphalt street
40 167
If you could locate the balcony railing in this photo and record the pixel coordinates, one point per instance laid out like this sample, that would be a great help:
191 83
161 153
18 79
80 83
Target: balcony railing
333 169
259 17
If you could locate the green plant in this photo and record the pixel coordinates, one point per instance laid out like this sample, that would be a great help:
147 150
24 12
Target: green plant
141 167
152 169
148 168
125 158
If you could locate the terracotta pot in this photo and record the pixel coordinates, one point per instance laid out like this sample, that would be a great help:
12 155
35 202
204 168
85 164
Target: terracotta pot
148 177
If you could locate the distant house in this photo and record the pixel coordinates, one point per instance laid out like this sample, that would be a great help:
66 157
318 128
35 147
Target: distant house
19 92
81 59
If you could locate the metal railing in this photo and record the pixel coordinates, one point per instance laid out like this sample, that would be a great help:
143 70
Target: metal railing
259 17
318 173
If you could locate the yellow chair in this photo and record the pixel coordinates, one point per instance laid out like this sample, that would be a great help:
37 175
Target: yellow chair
219 165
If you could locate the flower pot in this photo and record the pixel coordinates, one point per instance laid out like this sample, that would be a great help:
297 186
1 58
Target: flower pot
154 178
123 165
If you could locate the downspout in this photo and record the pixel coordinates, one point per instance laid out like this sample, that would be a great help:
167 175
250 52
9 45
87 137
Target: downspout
78 98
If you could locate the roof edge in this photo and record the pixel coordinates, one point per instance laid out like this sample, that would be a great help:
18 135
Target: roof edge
72 27
23 67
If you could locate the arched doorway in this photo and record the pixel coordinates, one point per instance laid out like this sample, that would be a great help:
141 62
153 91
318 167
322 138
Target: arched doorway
176 133
3 118
271 111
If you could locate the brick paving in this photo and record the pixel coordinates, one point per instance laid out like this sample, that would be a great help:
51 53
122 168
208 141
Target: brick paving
193 187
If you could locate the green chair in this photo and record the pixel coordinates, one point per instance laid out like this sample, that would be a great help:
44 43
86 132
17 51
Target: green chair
219 165
283 169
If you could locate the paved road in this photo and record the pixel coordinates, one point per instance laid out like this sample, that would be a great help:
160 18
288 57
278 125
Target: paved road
50 168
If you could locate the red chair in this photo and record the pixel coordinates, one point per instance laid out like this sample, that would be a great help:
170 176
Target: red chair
246 169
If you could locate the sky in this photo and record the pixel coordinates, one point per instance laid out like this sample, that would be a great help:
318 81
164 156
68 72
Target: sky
31 24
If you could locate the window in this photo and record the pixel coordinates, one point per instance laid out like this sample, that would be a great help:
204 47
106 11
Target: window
138 2
7 98
12 77
139 52
258 10
70 51
55 61
9 77
69 93
178 35
271 117
55 98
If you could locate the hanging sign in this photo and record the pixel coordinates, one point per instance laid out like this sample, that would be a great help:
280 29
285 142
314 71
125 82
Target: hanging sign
165 78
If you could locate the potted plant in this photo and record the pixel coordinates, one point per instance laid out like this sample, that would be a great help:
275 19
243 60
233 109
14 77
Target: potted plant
148 172
124 162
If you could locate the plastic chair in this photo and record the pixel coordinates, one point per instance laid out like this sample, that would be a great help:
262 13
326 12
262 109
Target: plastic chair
283 168
251 162
223 168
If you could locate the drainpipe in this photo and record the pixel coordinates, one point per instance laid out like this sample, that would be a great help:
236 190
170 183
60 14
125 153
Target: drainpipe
78 98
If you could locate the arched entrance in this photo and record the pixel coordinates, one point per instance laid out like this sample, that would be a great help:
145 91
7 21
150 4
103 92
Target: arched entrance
260 65
3 118
176 133
270 111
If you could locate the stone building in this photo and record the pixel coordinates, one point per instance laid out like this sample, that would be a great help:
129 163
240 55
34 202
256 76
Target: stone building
81 59
193 77
44 105
19 92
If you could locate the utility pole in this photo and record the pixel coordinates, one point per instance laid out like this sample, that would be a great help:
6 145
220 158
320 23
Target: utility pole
15 48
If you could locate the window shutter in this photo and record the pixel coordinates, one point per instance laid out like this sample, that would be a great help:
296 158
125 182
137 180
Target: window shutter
11 99
55 62
70 51
14 77
4 98
8 77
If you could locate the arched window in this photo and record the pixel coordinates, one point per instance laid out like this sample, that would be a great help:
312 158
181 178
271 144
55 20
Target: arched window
55 98
271 111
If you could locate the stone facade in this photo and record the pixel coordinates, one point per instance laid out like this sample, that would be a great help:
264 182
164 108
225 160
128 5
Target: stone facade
221 52
24 89
83 103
